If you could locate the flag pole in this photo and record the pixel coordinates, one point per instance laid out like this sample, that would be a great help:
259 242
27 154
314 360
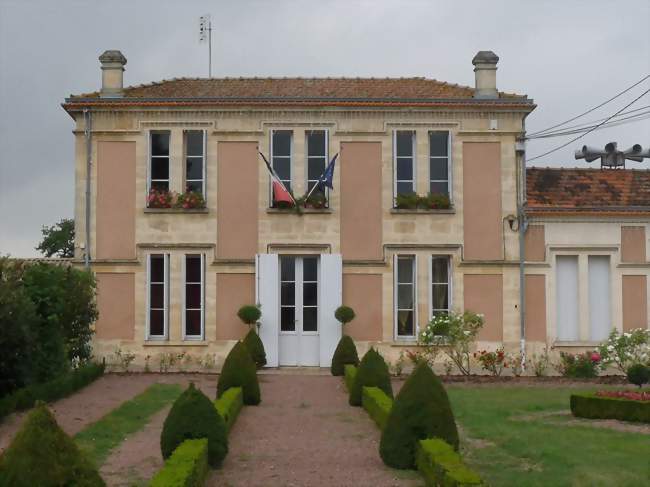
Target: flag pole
320 178
275 175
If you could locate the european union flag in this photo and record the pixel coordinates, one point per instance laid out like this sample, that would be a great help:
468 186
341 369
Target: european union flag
327 176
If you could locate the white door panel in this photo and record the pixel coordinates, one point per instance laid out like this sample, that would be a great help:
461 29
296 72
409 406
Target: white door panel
268 296
330 298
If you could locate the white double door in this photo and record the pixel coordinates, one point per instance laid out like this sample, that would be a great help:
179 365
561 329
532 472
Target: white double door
298 295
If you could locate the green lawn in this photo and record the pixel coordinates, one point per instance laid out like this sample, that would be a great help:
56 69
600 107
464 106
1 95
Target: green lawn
98 439
510 441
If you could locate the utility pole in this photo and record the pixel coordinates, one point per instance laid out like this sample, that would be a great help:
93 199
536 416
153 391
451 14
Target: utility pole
205 34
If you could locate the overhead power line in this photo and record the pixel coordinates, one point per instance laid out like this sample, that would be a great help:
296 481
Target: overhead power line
580 128
594 108
593 128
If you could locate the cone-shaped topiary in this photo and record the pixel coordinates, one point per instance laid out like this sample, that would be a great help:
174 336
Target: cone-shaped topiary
420 410
372 372
256 348
42 454
193 416
239 371
345 353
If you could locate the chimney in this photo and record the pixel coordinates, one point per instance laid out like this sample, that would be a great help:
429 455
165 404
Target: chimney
112 74
485 72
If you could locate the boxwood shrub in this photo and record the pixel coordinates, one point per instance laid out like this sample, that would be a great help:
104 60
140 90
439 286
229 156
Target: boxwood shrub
239 371
229 405
345 353
349 376
597 407
255 347
372 372
187 467
439 464
377 404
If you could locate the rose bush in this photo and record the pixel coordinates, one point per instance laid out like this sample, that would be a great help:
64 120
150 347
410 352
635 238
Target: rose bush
626 349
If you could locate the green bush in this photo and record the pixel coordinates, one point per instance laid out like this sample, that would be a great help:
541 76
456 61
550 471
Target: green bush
421 410
52 390
345 353
256 348
187 467
249 314
581 366
239 371
597 407
344 314
638 374
42 455
350 374
407 201
377 404
229 405
194 416
372 372
439 464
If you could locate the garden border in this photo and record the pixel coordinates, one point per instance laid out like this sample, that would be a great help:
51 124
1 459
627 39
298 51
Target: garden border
591 406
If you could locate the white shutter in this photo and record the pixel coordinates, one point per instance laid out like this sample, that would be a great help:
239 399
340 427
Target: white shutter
600 323
268 296
567 298
330 298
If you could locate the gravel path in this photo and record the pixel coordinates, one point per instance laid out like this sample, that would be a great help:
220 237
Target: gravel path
304 433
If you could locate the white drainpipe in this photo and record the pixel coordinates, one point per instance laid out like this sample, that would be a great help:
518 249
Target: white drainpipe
87 133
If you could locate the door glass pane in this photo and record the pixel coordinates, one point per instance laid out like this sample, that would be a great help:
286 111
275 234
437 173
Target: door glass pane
156 322
287 269
287 293
310 269
193 322
287 319
310 294
310 319
405 323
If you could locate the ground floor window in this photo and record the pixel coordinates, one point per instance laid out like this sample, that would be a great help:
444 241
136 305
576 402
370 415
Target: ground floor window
440 284
157 296
194 296
405 292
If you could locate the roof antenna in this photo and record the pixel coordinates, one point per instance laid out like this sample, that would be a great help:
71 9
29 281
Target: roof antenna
205 34
611 157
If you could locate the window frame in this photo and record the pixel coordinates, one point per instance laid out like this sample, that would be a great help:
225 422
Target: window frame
396 309
449 163
449 283
201 336
413 158
165 335
203 157
327 160
291 149
151 156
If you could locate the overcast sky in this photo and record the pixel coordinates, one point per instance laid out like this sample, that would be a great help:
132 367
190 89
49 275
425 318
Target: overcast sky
567 55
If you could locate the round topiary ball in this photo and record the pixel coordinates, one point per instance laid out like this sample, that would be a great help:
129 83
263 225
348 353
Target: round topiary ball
249 314
42 454
255 347
421 410
194 416
344 314
638 374
372 372
239 371
345 353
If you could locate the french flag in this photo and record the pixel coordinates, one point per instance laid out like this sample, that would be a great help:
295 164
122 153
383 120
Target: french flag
280 192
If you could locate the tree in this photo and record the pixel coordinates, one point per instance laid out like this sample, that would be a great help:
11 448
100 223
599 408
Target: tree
58 240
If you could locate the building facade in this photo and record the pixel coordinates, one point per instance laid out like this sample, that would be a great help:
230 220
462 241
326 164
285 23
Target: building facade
171 279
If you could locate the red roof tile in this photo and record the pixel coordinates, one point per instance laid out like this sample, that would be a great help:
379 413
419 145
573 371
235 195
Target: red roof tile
551 190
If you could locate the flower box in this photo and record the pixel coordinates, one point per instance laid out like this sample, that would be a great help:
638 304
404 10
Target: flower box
161 199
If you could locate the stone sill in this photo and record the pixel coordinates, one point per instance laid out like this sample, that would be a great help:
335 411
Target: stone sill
292 211
422 211
177 210
167 343
575 344
404 343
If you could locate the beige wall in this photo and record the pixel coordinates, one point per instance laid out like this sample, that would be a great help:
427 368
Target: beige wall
233 291
363 292
535 244
635 302
633 244
536 308
116 180
116 306
484 295
482 201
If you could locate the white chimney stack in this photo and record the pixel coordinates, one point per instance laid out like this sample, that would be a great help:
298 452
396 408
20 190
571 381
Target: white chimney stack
485 72
113 63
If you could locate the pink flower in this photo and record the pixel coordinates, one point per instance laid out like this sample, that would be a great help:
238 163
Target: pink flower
595 357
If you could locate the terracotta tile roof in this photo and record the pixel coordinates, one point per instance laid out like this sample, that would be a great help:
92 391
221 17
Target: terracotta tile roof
298 91
573 190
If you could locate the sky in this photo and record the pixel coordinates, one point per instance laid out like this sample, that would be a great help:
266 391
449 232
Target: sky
567 55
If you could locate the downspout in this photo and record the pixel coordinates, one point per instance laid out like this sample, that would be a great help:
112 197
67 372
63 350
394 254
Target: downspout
87 133
523 225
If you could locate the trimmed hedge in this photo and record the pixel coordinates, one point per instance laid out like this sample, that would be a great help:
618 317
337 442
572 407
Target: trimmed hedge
187 467
62 386
595 407
255 347
372 372
350 374
439 464
229 405
345 353
239 371
377 404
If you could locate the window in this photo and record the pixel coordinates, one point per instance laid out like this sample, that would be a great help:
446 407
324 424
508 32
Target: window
440 284
405 309
439 162
567 297
281 155
195 161
193 298
157 296
404 142
159 161
599 297
316 159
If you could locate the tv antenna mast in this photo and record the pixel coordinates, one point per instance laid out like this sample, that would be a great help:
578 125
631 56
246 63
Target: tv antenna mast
205 34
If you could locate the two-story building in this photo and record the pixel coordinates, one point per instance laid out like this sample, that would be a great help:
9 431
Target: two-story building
171 276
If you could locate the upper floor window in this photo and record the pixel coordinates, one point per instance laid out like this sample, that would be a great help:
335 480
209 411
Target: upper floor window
281 155
157 296
405 296
440 284
316 159
195 161
439 162
159 161
194 297
404 153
